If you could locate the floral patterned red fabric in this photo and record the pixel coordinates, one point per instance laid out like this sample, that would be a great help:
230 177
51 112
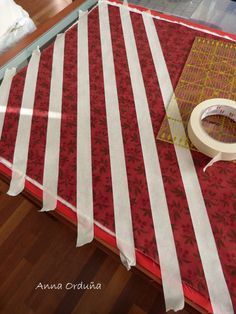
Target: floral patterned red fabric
218 184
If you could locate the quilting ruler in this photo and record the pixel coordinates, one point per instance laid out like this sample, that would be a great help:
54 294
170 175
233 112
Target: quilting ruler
210 72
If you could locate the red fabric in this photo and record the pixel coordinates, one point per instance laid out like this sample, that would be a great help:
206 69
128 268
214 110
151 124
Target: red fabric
218 184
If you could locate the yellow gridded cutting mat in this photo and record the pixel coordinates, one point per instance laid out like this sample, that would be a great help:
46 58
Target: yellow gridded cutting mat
210 72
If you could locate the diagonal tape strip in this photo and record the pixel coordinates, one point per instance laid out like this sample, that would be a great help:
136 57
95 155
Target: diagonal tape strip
84 191
219 294
122 210
164 235
24 127
52 151
4 95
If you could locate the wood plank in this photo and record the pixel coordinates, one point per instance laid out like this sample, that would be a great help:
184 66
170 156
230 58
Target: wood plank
16 276
14 220
113 289
136 310
72 297
41 10
89 300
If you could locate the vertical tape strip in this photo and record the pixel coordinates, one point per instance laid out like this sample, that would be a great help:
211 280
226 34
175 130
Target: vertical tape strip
170 271
122 210
84 191
24 127
52 151
4 95
218 290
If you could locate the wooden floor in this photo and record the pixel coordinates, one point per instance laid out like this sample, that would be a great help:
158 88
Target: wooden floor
41 10
35 249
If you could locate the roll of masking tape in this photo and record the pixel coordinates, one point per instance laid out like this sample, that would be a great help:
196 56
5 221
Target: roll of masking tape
201 139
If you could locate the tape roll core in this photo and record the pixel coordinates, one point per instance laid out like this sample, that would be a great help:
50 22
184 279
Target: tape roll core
201 139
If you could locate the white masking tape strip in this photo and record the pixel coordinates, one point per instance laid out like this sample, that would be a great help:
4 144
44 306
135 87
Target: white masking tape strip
52 150
199 137
170 271
122 210
84 191
4 95
219 294
24 127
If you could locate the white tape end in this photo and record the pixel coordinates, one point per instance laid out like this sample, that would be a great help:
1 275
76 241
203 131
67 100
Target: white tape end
46 209
82 13
14 192
218 157
17 184
85 230
36 52
84 240
126 262
60 35
10 72
175 304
